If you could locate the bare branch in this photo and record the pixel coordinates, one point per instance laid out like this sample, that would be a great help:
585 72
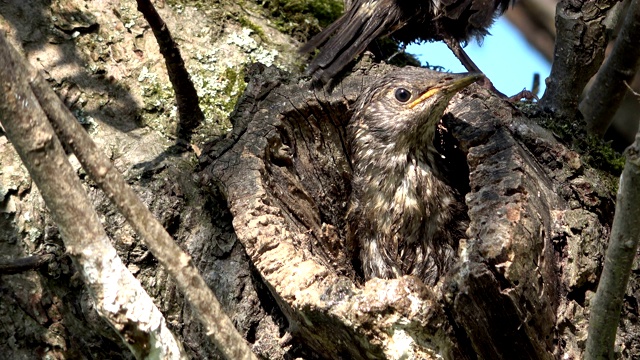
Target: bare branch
625 233
534 19
16 266
579 51
605 95
177 262
189 111
118 296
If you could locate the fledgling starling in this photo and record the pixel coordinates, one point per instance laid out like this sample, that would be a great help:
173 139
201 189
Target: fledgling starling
405 20
401 212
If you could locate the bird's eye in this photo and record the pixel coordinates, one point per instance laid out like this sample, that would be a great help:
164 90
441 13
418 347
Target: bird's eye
403 95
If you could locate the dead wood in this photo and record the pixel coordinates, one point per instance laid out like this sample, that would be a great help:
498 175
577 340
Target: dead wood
539 218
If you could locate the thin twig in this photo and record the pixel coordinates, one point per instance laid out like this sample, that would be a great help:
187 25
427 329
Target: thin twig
189 111
19 265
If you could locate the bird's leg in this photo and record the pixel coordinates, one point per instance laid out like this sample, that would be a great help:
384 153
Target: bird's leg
526 95
466 61
459 52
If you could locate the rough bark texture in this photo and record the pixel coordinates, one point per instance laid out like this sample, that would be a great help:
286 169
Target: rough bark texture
264 220
618 262
117 294
579 50
525 273
603 98
103 61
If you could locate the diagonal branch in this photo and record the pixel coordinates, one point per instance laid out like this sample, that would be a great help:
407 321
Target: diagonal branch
100 169
625 235
605 95
189 111
118 296
580 44
177 262
535 20
607 303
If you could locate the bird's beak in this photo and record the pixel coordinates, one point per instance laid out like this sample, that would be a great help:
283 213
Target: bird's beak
456 83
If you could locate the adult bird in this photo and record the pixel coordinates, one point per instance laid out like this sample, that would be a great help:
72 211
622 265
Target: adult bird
454 21
403 215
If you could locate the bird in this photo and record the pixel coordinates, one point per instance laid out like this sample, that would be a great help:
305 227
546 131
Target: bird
454 21
402 211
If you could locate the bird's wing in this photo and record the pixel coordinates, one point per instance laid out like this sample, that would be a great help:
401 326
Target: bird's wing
319 39
350 35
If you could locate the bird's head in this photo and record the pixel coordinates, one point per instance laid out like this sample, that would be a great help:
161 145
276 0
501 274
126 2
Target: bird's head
399 112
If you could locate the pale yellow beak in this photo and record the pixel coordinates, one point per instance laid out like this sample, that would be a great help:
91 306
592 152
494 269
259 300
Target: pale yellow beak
448 87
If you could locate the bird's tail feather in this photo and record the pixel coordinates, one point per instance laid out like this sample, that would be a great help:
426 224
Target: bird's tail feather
319 39
348 37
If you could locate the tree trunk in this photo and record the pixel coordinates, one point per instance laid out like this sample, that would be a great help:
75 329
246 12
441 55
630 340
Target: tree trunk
262 214
525 272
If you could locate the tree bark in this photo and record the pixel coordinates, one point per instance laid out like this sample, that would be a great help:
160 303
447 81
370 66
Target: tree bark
525 271
579 50
262 215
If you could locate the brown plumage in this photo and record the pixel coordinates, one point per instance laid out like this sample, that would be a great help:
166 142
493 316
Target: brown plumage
404 20
402 211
